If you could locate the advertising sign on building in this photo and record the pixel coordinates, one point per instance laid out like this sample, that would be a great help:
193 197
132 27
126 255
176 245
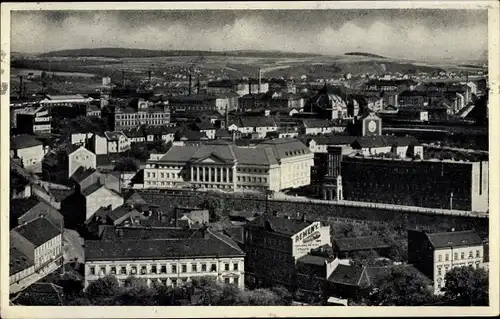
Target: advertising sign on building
309 238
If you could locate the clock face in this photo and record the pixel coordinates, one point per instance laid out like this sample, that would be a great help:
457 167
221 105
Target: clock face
372 126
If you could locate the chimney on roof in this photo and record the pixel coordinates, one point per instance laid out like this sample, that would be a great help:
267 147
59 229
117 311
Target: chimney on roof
204 231
303 217
149 76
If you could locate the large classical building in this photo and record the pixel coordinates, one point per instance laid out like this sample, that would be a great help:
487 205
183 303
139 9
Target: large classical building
170 256
434 254
273 164
274 244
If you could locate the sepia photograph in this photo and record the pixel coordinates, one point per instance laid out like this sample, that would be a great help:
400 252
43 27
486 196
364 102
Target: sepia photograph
244 154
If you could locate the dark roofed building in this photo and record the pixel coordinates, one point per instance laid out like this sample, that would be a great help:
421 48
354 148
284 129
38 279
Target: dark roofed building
454 239
165 252
347 246
23 210
24 141
38 231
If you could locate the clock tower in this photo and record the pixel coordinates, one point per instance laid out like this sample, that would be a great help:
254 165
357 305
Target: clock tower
371 125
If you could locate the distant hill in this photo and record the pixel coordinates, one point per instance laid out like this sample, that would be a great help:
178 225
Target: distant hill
143 53
368 55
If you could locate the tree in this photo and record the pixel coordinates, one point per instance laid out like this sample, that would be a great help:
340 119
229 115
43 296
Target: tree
403 286
126 164
103 290
364 258
136 293
139 151
466 286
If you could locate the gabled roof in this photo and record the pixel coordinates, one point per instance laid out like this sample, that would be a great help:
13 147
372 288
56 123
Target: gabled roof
113 136
313 260
360 243
20 206
347 275
23 141
454 239
38 231
82 173
255 156
91 189
222 133
279 225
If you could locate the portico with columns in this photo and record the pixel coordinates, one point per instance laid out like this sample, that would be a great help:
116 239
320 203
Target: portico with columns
213 171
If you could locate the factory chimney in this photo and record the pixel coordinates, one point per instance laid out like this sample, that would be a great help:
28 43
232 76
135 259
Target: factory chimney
260 79
190 80
20 87
226 124
149 76
198 85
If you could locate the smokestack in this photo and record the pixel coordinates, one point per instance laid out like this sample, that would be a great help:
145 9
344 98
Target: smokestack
123 78
190 83
260 79
198 85
149 76
226 124
20 87
250 86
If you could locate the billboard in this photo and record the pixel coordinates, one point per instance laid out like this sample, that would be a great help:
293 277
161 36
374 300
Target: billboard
310 237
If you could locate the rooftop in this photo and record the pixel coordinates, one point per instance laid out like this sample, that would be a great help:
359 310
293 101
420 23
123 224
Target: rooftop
360 243
24 141
454 239
82 173
18 261
347 275
38 231
279 225
215 246
65 97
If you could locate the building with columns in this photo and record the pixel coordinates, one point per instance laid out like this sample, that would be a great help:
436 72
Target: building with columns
274 164
169 256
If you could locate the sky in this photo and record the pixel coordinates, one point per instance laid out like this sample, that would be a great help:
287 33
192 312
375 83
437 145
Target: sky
398 33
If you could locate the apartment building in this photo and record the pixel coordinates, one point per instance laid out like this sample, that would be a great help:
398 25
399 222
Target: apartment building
169 256
434 254
144 113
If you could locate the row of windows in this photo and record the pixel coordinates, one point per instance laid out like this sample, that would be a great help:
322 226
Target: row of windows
446 267
252 179
133 116
135 122
168 175
122 270
462 255
252 170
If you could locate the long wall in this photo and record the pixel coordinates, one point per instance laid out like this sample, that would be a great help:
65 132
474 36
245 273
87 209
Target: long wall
316 211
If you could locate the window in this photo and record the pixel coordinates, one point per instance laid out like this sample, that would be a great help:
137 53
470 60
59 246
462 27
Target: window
113 270
163 269
203 267
213 268
478 254
226 267
236 281
193 268
471 255
226 280
123 270
462 255
174 269
153 269
455 256
439 271
92 270
439 258
235 266
133 270
184 268
174 282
